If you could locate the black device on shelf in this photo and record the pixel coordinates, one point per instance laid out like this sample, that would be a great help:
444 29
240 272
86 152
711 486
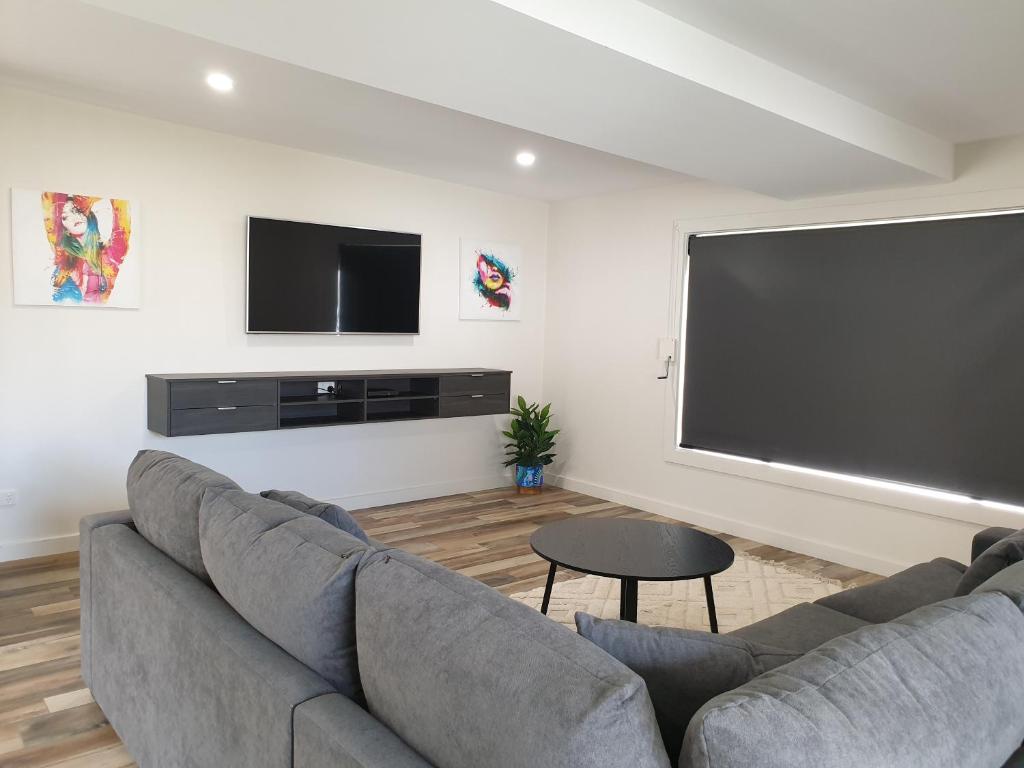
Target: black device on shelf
201 404
382 392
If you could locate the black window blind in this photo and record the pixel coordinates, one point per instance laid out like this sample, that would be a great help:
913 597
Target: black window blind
891 351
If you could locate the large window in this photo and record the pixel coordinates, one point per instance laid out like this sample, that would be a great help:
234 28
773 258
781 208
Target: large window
883 350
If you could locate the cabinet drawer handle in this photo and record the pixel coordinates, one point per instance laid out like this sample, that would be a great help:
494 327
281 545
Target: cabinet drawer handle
475 375
476 396
228 381
226 407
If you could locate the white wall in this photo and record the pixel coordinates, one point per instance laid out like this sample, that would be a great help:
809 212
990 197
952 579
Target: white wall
72 405
610 289
72 393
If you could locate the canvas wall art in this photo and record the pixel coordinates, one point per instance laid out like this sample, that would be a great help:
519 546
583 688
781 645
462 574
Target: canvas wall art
75 250
490 281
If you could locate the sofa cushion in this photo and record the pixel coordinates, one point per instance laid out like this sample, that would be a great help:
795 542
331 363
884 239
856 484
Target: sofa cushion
164 494
683 668
801 628
937 687
1016 759
288 574
986 537
330 513
469 678
1009 581
333 732
885 600
1006 551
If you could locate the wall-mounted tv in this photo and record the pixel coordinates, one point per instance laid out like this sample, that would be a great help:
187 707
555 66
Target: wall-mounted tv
317 278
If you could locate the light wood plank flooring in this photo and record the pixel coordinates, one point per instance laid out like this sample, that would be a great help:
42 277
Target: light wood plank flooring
48 718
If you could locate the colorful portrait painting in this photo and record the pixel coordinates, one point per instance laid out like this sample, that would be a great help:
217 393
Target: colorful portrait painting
490 281
74 250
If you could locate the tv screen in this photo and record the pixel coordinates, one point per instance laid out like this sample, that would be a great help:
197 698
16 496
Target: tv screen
317 278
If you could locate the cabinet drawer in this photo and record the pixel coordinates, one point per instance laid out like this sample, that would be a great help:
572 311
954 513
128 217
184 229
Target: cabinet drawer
475 384
473 405
213 394
208 421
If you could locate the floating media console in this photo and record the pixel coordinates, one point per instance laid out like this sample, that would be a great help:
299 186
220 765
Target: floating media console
212 403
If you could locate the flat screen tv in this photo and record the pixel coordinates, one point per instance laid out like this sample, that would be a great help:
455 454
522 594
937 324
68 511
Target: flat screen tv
317 278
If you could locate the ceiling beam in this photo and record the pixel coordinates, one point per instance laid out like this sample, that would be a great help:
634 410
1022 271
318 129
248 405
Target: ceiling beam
614 75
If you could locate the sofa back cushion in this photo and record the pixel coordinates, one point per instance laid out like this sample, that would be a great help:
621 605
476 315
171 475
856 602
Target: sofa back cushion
290 575
1000 555
329 513
940 686
888 599
469 678
1009 581
683 668
164 494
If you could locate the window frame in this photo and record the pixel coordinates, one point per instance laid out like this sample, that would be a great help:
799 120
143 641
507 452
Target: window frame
933 502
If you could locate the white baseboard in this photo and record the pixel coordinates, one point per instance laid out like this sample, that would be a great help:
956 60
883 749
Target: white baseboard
51 545
425 491
841 555
21 550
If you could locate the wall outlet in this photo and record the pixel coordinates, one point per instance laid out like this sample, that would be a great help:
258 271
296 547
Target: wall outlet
8 498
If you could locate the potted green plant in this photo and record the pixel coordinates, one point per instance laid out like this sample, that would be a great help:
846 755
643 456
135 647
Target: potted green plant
531 443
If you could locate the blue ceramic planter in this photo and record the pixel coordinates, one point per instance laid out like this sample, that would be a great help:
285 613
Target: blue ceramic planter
530 479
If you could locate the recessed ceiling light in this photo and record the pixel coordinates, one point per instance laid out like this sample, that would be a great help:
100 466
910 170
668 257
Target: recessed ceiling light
526 159
220 82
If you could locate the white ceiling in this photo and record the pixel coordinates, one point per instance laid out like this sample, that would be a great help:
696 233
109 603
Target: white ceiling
159 72
613 75
787 97
950 67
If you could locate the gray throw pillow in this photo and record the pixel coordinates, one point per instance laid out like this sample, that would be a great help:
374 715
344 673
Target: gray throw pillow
288 574
683 668
327 512
1003 553
164 494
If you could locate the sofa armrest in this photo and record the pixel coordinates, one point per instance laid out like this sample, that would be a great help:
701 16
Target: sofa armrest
333 732
986 538
182 678
91 522
86 526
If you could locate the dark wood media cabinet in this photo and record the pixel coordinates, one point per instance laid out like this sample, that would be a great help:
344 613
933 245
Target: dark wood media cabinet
212 403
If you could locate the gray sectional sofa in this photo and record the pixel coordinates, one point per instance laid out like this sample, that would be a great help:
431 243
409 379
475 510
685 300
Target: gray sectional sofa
221 628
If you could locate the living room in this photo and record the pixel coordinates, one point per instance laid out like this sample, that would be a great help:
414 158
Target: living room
603 160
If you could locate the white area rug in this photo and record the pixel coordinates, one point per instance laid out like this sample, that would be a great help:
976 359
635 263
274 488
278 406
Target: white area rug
749 591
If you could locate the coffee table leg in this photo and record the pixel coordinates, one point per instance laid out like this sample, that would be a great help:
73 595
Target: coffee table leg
628 608
547 589
712 616
622 599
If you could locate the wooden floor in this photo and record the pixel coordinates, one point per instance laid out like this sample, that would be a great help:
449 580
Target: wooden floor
48 718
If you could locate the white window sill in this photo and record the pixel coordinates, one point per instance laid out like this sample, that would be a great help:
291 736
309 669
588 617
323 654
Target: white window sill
921 500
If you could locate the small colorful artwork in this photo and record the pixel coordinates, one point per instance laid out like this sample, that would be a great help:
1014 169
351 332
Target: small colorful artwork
490 281
74 250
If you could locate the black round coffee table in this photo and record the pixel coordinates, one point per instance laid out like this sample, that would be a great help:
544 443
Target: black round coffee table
632 551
